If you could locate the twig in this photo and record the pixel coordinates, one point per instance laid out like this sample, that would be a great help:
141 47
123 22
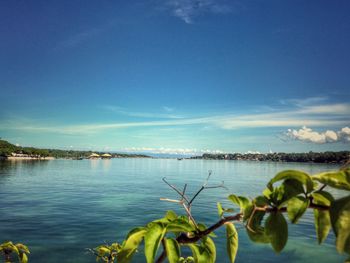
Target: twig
206 187
190 215
183 191
321 188
175 189
171 200
184 239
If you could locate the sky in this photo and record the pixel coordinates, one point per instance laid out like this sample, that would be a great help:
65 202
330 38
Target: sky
176 76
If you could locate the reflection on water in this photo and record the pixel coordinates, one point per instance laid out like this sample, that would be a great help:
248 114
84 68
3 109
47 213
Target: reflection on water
61 207
94 163
106 164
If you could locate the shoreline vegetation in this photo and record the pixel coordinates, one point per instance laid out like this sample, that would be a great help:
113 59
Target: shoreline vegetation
9 151
341 157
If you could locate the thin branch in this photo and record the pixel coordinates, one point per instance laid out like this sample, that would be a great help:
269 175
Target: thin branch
184 239
209 174
216 186
206 187
322 187
175 189
190 215
171 200
198 192
183 191
90 250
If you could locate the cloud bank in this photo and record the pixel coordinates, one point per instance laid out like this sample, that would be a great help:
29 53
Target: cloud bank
308 135
172 151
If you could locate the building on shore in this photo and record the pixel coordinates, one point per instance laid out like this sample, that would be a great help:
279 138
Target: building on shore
106 156
94 156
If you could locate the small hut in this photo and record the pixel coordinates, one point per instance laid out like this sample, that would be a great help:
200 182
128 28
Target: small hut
94 156
106 156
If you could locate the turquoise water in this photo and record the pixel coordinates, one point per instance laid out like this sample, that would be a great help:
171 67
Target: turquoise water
60 207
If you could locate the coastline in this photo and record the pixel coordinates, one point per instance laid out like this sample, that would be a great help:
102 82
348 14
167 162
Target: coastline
15 158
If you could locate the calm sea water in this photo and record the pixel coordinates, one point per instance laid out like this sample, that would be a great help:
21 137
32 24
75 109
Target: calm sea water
61 207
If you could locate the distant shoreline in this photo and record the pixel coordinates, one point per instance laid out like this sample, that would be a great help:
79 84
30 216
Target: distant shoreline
15 158
310 157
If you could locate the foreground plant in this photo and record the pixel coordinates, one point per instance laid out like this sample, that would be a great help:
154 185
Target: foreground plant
289 193
14 253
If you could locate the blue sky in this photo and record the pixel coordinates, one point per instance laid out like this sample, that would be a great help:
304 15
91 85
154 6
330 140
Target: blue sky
176 76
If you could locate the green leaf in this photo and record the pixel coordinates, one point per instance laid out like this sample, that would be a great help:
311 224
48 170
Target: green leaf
23 258
261 201
22 248
322 224
322 198
131 244
302 177
153 237
276 228
296 207
205 252
102 250
220 210
232 241
172 250
10 246
247 212
170 215
340 219
180 225
241 201
291 188
255 231
267 193
335 179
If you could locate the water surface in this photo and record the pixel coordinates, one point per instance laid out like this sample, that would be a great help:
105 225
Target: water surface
60 207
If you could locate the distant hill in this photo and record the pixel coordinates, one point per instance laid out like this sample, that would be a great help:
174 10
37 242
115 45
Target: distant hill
7 149
315 157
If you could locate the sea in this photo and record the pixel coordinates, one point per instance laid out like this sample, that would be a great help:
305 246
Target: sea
61 208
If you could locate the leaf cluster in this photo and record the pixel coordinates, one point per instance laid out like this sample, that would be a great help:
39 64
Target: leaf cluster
11 251
287 197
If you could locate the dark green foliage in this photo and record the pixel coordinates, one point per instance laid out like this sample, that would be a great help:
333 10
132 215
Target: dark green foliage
276 229
340 219
14 252
315 157
6 149
231 241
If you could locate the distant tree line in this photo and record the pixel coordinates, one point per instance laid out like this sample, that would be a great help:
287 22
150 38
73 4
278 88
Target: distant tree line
315 157
6 149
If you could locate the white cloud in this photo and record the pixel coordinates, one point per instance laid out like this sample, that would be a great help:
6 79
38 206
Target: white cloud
186 10
336 116
336 109
172 151
304 102
123 111
344 134
308 135
252 152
